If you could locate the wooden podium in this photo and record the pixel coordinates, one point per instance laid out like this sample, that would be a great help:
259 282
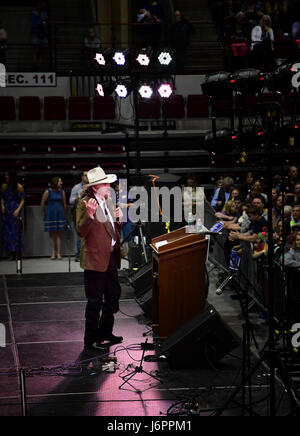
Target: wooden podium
178 280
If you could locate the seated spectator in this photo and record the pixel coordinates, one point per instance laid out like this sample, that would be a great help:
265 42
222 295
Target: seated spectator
274 197
257 190
277 211
39 32
151 13
155 9
295 221
222 195
91 45
278 11
234 194
247 185
292 258
277 182
290 185
3 46
297 193
179 36
263 42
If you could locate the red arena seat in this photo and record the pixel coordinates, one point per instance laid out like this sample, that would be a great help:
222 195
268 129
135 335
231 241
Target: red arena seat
7 109
54 108
113 148
149 109
174 107
79 108
104 108
30 109
198 106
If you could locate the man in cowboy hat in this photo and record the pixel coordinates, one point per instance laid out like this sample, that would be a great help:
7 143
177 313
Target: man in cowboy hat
99 226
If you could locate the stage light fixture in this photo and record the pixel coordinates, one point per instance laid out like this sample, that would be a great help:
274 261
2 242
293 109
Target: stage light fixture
103 57
165 90
281 80
146 91
165 57
248 81
144 57
123 89
218 85
220 142
105 89
120 57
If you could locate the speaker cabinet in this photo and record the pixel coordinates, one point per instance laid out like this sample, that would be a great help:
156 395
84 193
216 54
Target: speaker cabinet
204 340
142 280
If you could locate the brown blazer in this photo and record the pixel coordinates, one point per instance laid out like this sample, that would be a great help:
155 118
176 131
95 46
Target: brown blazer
96 237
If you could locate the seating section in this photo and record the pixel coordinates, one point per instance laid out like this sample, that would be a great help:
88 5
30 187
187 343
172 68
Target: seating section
195 106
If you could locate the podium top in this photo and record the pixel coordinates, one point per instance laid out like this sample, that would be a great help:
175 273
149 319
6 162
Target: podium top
176 240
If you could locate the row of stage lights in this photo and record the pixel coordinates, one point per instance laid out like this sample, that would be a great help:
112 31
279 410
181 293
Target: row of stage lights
145 60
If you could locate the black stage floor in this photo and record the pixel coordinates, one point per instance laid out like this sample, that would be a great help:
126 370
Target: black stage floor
44 319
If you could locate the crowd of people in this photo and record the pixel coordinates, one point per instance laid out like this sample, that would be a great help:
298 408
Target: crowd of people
249 29
244 210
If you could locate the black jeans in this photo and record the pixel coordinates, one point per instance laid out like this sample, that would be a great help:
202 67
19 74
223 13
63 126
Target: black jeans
103 293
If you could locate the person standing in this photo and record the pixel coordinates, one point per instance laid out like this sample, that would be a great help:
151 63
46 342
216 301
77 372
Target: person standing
99 226
55 214
74 199
39 32
12 203
3 46
179 36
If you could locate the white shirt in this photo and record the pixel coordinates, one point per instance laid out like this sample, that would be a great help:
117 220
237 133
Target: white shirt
103 205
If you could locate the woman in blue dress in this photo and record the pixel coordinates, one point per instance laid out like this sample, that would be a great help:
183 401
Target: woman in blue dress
12 203
55 214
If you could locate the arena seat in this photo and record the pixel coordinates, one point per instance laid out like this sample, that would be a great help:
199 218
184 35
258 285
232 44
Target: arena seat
55 109
174 107
30 109
36 166
113 166
149 109
222 108
79 108
36 149
197 106
63 148
7 109
104 108
87 148
112 149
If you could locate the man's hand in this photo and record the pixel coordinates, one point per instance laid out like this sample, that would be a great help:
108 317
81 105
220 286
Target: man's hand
119 214
16 213
234 236
91 207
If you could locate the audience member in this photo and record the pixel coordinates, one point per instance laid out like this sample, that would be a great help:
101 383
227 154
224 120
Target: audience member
297 193
179 37
74 199
92 44
235 193
292 258
222 195
39 32
12 203
247 185
294 15
151 13
3 46
55 214
192 199
263 42
290 185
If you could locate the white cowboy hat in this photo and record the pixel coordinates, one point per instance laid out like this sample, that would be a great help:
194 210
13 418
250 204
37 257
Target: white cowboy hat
97 176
